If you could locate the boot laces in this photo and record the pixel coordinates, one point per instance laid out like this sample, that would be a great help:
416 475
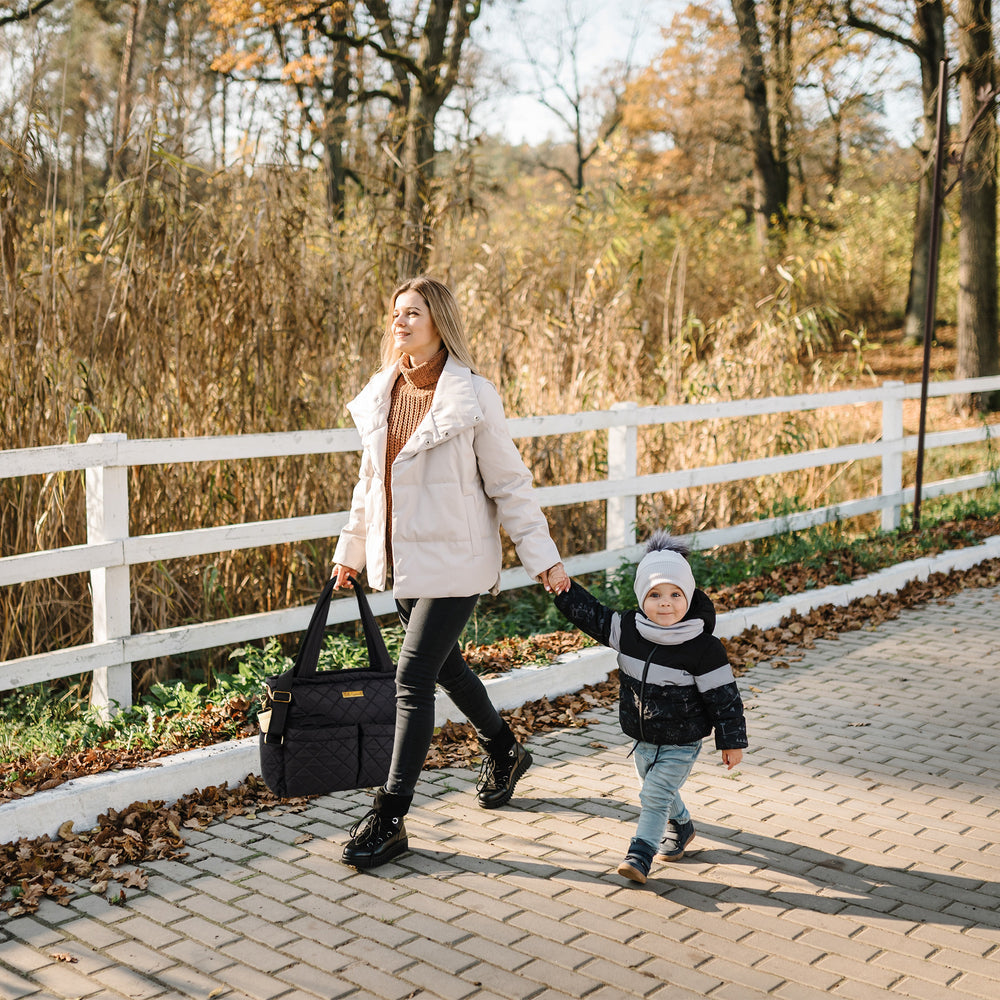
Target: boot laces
495 770
373 829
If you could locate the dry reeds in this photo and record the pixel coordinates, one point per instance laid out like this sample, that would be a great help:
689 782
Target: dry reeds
227 304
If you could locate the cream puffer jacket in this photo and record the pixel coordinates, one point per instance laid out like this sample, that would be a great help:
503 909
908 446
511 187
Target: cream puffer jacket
454 482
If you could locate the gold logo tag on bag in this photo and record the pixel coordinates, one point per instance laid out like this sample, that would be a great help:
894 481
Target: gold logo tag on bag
352 694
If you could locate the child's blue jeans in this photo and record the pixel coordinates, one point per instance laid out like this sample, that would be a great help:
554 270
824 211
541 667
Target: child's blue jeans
662 770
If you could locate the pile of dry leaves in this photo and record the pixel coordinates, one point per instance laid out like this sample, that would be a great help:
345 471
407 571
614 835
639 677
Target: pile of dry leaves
33 869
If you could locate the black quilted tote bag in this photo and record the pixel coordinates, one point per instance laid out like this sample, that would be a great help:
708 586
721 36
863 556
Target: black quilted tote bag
329 731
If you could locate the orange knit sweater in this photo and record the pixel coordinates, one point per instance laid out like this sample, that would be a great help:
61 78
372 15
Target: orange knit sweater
411 399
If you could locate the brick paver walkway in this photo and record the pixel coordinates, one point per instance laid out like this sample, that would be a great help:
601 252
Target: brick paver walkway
854 854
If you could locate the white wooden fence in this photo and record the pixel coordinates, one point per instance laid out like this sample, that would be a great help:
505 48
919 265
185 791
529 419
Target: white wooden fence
110 551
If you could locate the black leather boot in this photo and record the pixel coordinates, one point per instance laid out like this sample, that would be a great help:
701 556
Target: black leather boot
505 761
380 835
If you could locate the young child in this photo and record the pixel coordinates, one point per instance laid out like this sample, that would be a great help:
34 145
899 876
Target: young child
676 688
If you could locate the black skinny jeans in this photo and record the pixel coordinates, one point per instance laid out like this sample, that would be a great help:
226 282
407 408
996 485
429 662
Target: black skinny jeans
430 655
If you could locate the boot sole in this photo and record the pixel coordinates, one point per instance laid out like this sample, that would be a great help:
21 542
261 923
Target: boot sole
632 873
366 861
515 777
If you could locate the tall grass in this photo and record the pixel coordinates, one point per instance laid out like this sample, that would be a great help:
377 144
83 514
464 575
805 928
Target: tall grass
178 303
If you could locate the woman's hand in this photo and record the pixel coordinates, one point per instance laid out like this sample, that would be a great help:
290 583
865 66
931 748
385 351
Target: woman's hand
555 579
341 576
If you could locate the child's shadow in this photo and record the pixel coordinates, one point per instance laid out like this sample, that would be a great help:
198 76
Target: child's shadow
907 893
833 883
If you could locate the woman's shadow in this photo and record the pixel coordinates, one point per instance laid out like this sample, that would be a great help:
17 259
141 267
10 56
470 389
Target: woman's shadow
800 875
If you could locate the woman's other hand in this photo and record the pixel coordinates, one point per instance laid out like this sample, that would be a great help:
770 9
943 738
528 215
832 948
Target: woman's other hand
341 576
555 580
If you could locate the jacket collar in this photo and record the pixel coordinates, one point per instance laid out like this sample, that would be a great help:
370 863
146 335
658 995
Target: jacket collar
454 406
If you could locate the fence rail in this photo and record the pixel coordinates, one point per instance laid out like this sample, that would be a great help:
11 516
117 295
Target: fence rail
110 551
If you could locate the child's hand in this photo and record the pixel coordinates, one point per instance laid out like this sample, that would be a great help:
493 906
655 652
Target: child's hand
555 579
731 758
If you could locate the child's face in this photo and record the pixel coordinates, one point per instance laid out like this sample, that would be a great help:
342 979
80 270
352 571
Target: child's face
665 604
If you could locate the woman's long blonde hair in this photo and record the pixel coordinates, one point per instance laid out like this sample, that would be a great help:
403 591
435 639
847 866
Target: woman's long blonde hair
444 314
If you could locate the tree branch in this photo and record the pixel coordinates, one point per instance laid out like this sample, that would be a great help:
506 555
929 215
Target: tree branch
852 20
23 15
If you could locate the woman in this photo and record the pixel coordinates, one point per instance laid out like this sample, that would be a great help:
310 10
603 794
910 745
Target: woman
439 474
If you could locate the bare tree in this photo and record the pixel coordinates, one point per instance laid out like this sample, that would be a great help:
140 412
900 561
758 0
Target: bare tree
589 114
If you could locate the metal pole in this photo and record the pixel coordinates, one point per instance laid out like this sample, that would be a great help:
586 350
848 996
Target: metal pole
932 280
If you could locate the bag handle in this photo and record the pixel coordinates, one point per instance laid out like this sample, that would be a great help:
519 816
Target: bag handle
312 642
378 655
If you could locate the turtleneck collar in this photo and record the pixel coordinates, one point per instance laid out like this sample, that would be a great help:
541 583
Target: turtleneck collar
423 376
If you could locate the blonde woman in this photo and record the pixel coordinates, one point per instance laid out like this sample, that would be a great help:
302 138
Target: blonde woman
439 475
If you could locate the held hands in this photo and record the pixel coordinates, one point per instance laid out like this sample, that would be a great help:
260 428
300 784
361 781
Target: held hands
731 758
341 576
555 580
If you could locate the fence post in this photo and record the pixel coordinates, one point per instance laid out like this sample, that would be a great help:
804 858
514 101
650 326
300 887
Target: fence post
107 520
623 463
892 459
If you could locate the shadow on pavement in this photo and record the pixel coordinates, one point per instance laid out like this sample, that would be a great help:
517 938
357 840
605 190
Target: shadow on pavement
792 876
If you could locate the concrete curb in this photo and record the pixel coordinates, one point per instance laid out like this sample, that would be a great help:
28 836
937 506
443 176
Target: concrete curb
82 800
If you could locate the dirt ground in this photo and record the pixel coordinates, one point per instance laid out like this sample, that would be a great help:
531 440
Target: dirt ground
890 358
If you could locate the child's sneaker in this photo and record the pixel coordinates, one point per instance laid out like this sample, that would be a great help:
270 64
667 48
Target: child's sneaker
675 839
637 862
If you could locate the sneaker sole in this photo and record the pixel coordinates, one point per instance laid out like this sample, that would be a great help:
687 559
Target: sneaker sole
631 873
523 766
365 862
678 854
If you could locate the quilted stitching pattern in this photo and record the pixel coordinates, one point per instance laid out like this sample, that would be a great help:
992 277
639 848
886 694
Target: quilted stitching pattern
332 743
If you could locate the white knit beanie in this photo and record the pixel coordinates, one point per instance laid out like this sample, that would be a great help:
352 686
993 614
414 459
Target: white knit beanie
661 566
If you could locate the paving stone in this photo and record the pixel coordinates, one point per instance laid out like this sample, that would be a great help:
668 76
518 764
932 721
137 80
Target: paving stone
188 981
252 982
316 983
147 932
377 982
96 934
14 986
198 955
126 982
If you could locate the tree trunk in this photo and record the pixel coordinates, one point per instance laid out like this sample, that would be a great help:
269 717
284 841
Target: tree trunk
978 346
418 173
119 159
928 31
335 103
770 174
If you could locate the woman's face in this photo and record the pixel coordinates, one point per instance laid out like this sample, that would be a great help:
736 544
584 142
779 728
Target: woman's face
413 330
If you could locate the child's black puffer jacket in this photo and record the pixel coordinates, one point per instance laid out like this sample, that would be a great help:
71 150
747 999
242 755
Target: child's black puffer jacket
670 694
